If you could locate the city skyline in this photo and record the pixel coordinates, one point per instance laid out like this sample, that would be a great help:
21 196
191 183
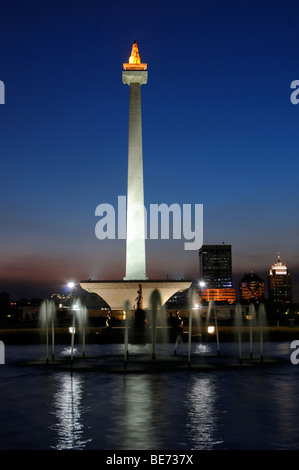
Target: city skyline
219 129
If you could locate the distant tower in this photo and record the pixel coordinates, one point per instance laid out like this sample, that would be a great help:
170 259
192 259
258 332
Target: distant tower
135 74
279 283
215 266
251 288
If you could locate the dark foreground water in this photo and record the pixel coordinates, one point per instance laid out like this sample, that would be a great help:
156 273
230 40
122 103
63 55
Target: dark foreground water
240 408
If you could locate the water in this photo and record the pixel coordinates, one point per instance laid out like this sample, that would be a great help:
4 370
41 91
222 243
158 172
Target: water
241 408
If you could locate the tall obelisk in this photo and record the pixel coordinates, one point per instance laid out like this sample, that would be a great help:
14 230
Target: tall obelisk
117 293
135 74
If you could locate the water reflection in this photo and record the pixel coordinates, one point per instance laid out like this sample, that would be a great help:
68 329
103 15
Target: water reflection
68 410
202 419
142 412
285 398
139 404
139 412
202 348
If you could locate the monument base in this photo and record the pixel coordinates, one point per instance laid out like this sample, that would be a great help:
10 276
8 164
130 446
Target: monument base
117 293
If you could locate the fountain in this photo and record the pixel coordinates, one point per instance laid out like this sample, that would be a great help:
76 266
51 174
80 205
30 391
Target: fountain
262 323
154 328
47 316
79 313
154 321
178 329
192 302
177 341
211 310
198 318
252 319
157 314
126 340
238 326
73 330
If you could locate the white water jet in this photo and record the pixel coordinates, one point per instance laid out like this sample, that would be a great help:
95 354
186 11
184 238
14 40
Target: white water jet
79 312
177 341
73 329
155 303
47 316
178 328
261 323
212 312
126 309
238 325
252 319
197 312
192 302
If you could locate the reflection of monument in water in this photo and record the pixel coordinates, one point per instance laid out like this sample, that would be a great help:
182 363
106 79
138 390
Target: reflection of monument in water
117 293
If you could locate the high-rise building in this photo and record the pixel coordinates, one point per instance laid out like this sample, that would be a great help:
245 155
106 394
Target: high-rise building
218 295
279 283
252 288
215 266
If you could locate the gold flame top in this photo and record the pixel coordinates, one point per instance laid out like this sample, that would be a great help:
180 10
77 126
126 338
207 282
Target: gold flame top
134 60
134 57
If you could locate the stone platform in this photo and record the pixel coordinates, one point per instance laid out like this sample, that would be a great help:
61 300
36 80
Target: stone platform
144 364
117 293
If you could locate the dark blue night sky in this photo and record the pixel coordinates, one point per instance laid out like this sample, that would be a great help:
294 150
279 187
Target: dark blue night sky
219 129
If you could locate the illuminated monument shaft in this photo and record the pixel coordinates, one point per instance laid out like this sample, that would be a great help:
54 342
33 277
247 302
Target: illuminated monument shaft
117 293
135 75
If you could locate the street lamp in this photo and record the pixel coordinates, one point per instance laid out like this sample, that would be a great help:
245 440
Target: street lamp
80 312
71 285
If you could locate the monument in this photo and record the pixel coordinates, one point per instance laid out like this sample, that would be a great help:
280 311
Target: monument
117 293
135 74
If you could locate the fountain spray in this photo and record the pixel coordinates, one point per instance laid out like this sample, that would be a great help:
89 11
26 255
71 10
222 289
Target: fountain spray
262 324
155 302
192 301
251 314
211 309
238 325
126 309
47 315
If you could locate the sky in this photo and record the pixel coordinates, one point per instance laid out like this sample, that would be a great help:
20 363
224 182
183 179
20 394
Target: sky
219 129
